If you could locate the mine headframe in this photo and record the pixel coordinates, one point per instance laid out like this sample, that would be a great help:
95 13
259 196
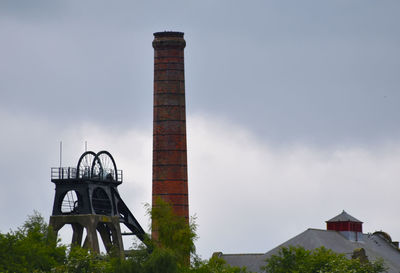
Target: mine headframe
86 197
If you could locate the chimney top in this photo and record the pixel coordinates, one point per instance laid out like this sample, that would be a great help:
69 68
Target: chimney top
168 34
169 40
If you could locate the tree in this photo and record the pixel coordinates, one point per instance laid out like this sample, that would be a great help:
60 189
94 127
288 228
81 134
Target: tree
82 260
171 251
215 265
32 248
320 260
35 248
173 231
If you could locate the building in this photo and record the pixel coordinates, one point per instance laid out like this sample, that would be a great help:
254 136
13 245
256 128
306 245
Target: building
343 235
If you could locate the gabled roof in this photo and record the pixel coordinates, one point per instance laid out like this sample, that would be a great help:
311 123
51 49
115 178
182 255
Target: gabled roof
374 245
344 217
252 261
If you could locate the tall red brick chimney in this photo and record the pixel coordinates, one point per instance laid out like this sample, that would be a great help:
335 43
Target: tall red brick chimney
170 181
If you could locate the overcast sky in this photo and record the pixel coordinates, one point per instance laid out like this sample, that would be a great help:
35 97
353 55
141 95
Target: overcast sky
292 109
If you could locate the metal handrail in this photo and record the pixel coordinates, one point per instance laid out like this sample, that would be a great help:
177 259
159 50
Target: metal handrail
63 173
66 173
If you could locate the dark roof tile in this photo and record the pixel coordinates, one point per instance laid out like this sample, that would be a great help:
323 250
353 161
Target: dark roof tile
344 217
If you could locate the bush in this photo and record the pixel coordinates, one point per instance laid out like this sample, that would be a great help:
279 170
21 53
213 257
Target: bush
320 260
32 248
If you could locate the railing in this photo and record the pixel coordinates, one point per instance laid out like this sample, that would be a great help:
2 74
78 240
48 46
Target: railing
63 173
66 173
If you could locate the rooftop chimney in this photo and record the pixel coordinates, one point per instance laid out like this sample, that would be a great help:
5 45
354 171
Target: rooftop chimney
169 123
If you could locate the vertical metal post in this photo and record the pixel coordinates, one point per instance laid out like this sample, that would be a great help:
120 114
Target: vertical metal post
61 170
60 154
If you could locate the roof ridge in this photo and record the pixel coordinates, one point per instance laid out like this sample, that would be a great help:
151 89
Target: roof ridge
344 217
319 229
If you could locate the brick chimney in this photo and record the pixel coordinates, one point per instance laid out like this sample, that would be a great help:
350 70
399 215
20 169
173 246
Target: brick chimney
170 181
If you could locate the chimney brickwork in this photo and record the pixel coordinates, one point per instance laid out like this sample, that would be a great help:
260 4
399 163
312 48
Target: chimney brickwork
170 181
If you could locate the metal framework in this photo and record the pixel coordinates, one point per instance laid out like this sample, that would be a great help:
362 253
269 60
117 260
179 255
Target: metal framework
86 197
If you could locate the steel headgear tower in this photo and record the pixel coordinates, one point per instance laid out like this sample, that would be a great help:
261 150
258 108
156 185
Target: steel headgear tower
169 125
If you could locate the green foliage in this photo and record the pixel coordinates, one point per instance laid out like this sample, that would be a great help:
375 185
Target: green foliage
171 252
81 260
162 260
32 248
173 231
320 260
214 265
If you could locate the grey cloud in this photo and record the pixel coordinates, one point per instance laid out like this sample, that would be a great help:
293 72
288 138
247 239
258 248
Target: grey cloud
315 72
253 188
301 82
259 195
30 147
